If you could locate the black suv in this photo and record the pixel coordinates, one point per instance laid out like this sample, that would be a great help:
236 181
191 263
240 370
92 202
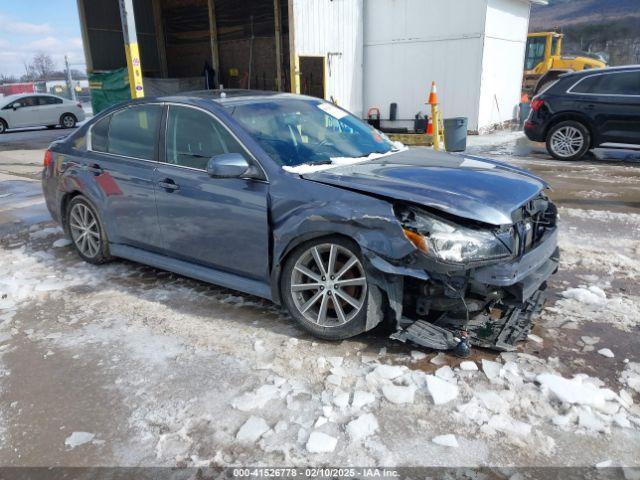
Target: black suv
588 109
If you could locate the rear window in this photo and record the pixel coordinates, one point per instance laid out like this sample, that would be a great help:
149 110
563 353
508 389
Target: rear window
99 133
623 83
49 100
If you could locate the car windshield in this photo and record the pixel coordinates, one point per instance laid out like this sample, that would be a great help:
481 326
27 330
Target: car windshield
305 131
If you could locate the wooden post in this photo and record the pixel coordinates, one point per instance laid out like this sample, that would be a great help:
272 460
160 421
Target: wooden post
278 29
160 40
134 64
294 64
84 28
213 38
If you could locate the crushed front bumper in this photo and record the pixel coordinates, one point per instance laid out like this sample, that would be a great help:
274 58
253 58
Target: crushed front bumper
520 285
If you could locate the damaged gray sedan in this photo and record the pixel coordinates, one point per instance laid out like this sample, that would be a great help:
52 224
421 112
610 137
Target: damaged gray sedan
295 200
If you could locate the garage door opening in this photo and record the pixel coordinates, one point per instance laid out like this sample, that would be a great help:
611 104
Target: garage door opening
312 81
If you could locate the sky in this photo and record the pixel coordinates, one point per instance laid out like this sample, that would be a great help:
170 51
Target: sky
28 27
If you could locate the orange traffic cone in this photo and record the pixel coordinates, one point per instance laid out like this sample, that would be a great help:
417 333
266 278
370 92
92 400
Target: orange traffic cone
433 95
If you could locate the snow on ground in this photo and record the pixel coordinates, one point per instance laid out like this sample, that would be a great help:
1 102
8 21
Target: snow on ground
191 374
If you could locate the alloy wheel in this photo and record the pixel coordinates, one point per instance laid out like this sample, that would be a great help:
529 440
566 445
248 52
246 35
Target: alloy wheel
85 230
68 121
567 141
328 285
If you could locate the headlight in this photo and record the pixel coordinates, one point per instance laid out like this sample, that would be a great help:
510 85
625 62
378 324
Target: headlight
453 243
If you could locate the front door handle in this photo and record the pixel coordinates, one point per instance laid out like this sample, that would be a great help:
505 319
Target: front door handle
169 185
94 168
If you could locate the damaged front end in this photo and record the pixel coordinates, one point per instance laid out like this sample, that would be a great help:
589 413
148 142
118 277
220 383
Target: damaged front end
469 281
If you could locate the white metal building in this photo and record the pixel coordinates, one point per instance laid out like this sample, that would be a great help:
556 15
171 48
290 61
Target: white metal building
379 52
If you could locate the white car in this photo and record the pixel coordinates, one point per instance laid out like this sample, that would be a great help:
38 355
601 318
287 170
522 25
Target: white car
38 109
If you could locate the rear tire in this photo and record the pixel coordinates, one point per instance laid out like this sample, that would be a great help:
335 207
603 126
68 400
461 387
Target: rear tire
3 126
568 140
68 120
328 300
86 231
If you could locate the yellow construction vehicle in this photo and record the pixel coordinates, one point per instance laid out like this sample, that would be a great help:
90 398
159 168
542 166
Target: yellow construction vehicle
544 61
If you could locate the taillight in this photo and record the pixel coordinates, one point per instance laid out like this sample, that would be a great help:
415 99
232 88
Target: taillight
48 158
536 104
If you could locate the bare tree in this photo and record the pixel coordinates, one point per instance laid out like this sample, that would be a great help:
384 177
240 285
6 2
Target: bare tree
4 78
40 68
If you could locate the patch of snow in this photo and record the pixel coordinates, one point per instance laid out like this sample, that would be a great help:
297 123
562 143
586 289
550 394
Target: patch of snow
61 242
257 399
252 430
338 162
362 398
491 369
592 295
362 427
448 440
319 442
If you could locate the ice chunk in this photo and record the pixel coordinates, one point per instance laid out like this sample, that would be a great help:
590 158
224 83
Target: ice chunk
172 445
446 440
445 373
506 424
605 352
362 427
440 390
335 361
321 443
440 359
604 464
417 355
321 421
257 399
334 380
469 366
573 391
621 420
362 398
588 420
535 338
590 340
492 401
389 372
400 394
78 438
491 369
588 296
252 430
61 242
341 399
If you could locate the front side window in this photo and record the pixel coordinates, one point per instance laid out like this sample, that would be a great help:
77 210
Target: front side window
133 131
535 52
623 83
193 137
295 132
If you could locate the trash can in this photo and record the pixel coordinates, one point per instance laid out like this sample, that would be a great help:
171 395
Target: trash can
455 134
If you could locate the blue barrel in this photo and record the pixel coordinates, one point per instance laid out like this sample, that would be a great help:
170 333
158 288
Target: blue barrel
455 134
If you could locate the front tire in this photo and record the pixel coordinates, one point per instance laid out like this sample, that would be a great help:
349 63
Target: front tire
68 120
325 288
3 126
568 140
86 231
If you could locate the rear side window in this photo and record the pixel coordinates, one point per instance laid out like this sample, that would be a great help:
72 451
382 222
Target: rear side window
99 133
193 137
49 100
133 131
623 83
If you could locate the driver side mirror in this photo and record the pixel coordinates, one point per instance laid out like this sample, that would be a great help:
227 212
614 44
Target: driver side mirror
231 165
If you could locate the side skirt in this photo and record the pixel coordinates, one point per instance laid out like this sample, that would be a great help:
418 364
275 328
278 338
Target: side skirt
191 270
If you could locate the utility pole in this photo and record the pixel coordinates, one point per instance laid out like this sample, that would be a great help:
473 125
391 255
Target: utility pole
131 48
69 80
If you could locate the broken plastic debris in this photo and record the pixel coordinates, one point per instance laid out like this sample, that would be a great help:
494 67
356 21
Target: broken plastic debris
78 438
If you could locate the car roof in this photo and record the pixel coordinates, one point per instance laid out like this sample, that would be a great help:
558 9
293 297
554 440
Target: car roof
16 96
593 71
231 96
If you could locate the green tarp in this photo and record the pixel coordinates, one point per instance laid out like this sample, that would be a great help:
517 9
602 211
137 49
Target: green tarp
108 88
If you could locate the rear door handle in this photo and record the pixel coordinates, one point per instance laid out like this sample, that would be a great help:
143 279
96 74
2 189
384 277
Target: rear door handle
169 185
591 106
94 168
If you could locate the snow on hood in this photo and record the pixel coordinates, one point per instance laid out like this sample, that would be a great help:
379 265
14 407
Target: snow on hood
342 161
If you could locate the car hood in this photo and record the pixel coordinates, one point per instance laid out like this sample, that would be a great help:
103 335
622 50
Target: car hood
462 185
